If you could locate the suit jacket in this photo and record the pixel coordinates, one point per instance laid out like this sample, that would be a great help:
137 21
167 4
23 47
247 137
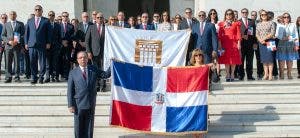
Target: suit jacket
149 26
126 25
56 35
80 34
208 41
68 35
37 37
184 25
93 41
82 93
244 29
8 33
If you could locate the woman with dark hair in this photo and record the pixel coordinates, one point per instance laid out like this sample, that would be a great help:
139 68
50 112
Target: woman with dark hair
230 40
288 46
298 30
131 22
165 25
265 31
213 18
177 22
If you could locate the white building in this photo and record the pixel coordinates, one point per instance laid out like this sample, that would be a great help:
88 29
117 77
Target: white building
134 7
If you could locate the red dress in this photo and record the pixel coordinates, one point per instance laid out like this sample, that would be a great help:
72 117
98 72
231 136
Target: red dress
229 37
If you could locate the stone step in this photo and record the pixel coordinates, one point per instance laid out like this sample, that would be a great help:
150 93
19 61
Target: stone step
282 134
253 127
254 118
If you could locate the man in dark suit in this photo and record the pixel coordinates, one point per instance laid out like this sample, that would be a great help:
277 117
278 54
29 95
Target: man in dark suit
187 23
81 95
259 65
248 39
121 20
94 40
3 20
67 32
80 34
145 25
37 40
13 36
204 34
52 54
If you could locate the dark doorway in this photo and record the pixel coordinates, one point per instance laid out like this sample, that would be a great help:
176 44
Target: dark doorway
137 7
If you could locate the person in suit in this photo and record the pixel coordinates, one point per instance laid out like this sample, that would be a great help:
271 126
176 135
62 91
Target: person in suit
145 25
259 65
121 20
79 37
66 33
248 39
2 22
81 95
187 23
205 37
52 54
156 20
94 17
37 40
13 36
94 41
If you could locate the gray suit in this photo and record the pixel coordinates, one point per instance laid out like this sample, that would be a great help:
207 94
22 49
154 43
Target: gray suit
82 95
12 53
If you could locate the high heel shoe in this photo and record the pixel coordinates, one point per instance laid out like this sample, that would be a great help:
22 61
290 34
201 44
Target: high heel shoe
265 77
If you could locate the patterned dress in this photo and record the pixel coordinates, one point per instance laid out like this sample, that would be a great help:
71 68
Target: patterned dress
263 29
285 49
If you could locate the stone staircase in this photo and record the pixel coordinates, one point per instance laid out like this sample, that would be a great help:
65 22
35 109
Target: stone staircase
242 109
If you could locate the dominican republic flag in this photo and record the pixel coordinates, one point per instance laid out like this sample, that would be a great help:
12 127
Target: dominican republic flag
271 45
165 100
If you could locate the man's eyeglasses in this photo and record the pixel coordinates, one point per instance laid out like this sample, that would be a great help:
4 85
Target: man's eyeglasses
4 18
99 17
51 15
244 12
201 15
37 9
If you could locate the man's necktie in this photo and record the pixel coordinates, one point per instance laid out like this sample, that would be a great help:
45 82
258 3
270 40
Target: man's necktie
84 74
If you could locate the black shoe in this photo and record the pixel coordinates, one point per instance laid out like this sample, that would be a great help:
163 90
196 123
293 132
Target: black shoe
41 81
53 80
250 79
98 89
241 78
7 81
104 90
17 80
27 77
33 82
47 80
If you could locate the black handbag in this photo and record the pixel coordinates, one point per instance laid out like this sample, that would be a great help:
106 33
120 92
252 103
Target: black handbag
215 76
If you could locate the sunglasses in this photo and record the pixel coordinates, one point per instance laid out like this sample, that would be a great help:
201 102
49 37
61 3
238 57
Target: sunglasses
156 16
213 13
244 12
99 17
177 17
52 15
286 17
3 18
253 15
65 16
37 9
263 14
201 15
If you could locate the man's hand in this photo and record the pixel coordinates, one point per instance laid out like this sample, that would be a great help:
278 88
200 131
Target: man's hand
214 54
48 46
12 43
26 47
72 109
90 56
65 43
255 46
74 44
245 37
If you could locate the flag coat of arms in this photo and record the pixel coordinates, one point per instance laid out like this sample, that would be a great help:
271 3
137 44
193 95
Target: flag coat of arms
162 100
271 45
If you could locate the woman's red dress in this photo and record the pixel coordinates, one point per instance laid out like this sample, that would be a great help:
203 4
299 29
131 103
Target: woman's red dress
229 37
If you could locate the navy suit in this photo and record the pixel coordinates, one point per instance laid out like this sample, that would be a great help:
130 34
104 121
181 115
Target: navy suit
66 52
207 42
52 54
149 26
36 39
126 25
82 96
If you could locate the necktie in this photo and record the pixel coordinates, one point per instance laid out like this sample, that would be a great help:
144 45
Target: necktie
37 20
84 74
145 27
85 27
99 29
246 22
201 27
65 27
13 24
189 23
155 26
